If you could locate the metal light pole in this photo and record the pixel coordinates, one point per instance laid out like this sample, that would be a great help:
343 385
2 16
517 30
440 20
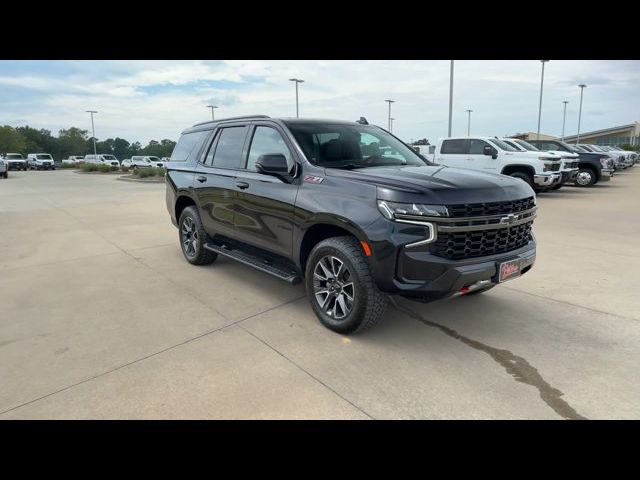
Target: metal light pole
469 123
390 102
391 129
93 130
212 107
450 97
297 80
582 87
540 106
564 117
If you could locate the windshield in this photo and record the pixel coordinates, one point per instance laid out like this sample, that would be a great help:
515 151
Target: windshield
596 149
503 145
154 159
43 157
108 157
527 146
578 148
514 145
13 156
352 146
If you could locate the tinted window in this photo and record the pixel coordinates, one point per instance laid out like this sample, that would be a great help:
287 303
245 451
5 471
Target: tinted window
453 146
351 146
266 140
476 147
228 150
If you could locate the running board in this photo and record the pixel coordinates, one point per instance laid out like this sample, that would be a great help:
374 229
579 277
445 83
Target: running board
279 271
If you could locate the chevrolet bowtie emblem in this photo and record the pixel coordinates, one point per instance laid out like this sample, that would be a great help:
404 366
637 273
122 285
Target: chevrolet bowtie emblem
512 217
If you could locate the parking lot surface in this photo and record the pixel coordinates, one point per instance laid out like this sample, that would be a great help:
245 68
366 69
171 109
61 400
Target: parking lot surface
101 317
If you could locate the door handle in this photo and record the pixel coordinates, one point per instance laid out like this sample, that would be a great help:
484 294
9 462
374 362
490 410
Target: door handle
242 185
201 178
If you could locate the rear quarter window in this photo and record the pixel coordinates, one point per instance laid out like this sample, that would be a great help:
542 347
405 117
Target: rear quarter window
453 146
188 146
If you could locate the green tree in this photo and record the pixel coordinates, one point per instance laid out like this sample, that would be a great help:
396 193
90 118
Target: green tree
38 140
72 141
11 141
121 148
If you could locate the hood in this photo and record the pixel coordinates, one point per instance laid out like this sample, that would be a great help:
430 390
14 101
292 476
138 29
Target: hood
532 155
437 184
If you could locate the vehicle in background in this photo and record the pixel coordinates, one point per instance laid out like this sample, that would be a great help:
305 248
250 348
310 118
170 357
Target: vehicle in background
569 168
143 161
14 161
102 159
73 160
540 170
40 161
592 167
631 154
165 159
624 157
618 160
4 168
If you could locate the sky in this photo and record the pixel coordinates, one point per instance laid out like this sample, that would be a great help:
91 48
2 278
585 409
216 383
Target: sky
145 100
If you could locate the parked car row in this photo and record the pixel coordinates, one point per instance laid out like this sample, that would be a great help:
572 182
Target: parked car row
44 161
543 164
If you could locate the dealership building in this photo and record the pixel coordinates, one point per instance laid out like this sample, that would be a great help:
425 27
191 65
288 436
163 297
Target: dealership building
622 135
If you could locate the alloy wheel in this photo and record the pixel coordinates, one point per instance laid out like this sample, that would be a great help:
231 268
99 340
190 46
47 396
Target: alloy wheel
584 178
333 287
189 234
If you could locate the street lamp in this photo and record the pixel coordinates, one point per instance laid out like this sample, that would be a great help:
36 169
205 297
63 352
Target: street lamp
564 117
582 87
212 107
469 122
93 130
391 129
390 102
450 97
297 80
540 106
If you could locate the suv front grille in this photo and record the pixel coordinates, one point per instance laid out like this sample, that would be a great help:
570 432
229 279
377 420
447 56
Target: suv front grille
468 236
492 208
461 245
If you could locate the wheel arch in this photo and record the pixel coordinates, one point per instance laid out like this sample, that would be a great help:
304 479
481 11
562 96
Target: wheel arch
509 169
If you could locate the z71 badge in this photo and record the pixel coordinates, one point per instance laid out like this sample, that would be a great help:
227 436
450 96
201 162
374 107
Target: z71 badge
313 179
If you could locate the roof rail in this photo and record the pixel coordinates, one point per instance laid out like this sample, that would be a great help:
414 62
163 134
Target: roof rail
232 118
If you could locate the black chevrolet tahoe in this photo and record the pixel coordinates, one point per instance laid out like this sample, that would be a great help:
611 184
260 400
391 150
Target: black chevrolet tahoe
347 208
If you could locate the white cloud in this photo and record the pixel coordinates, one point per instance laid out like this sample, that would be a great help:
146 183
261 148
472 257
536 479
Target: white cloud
143 100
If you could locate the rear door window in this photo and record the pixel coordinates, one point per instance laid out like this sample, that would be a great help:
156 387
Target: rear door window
228 148
454 146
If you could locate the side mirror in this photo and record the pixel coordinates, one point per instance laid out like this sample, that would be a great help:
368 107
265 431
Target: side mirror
490 151
272 164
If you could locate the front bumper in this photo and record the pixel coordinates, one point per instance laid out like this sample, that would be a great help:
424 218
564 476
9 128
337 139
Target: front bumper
449 277
606 174
547 180
569 176
17 166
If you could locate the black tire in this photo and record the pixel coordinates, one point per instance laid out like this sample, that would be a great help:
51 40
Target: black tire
524 176
586 177
192 238
556 187
367 304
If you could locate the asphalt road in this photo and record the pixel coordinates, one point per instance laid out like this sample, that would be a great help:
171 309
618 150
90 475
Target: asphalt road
101 317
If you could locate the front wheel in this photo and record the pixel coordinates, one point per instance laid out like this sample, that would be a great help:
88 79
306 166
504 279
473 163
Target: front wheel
341 288
586 177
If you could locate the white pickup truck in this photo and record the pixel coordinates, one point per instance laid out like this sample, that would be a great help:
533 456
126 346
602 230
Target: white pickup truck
143 161
15 161
40 161
102 159
569 168
541 170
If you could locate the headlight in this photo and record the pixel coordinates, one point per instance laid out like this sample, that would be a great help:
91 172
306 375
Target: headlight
604 161
391 209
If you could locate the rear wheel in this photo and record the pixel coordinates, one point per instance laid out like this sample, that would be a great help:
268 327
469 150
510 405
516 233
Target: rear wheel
586 177
193 237
524 176
340 286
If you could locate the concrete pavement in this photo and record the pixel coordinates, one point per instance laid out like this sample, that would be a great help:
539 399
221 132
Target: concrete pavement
101 317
